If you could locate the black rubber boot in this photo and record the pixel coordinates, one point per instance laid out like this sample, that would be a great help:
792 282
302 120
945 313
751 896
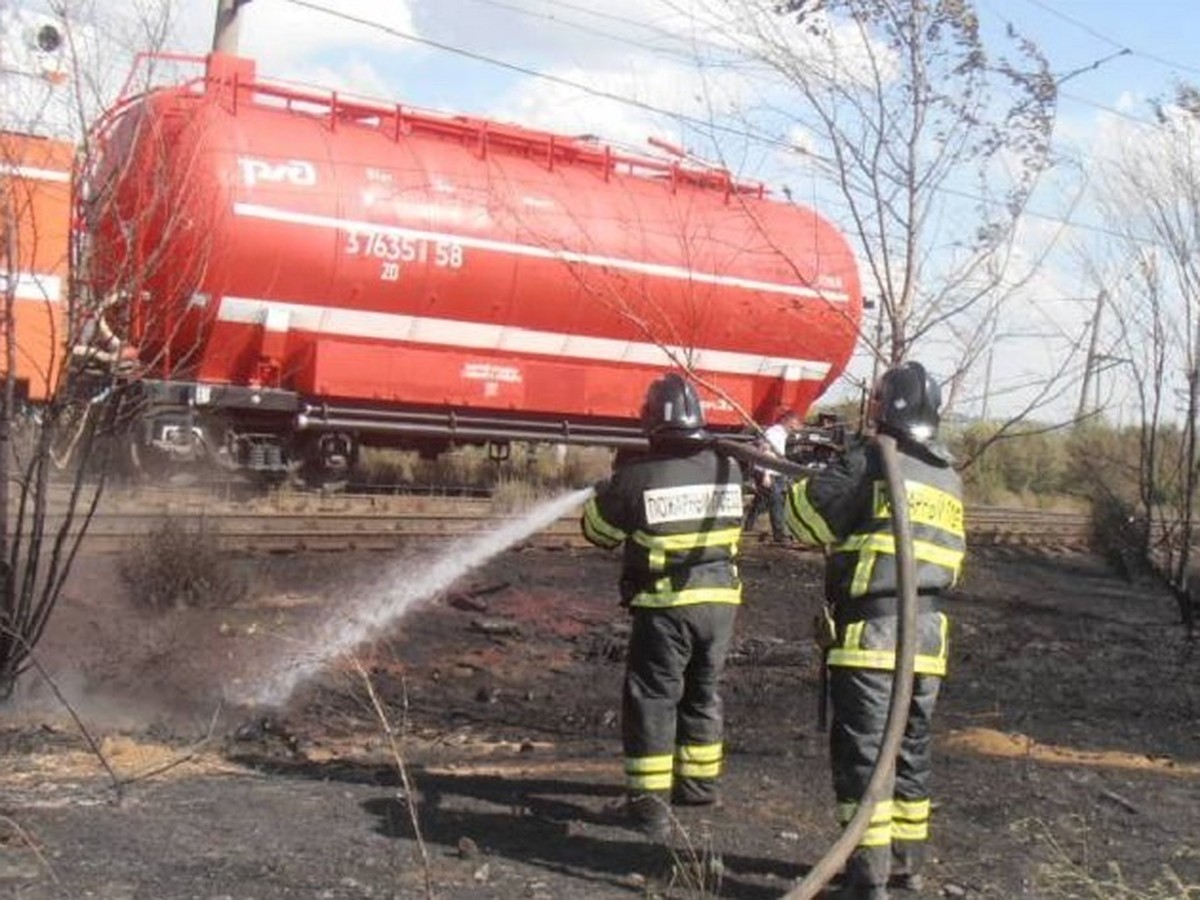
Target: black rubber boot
650 814
866 875
908 859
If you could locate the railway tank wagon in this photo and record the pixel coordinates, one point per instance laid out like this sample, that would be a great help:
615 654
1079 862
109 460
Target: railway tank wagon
302 274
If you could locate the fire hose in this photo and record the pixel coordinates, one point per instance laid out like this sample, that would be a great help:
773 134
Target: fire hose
879 786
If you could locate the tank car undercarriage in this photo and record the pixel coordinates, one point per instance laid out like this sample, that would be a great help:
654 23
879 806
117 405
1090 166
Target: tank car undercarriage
272 434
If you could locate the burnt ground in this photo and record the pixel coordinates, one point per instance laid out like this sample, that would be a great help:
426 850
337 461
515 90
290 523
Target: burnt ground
1068 753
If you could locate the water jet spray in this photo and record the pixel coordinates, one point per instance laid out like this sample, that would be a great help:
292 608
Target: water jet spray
402 590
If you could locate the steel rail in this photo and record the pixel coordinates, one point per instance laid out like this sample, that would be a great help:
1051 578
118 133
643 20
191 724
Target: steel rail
386 522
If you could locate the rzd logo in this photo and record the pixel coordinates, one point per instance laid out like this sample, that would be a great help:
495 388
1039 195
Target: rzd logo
296 172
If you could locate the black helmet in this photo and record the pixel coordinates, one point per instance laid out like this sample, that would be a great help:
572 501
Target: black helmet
906 403
672 410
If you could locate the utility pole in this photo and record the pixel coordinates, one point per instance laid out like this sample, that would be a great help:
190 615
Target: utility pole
878 362
987 381
1090 365
225 32
8 389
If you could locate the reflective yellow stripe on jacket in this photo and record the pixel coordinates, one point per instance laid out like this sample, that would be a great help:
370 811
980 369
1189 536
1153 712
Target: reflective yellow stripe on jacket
665 597
939 544
802 517
597 530
851 654
658 546
869 546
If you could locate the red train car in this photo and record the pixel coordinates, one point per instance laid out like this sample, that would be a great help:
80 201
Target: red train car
302 273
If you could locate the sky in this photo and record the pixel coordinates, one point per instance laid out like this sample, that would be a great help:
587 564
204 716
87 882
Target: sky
628 69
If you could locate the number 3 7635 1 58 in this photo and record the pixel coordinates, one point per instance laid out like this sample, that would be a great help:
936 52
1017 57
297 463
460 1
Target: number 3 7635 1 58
394 250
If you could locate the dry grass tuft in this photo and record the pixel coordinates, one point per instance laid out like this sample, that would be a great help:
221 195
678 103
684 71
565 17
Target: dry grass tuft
543 468
1070 868
179 565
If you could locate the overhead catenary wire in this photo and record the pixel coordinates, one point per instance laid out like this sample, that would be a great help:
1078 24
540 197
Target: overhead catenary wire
694 41
709 125
597 32
546 76
1113 42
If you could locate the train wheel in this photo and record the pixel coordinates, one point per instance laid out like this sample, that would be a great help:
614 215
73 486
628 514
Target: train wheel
327 460
314 477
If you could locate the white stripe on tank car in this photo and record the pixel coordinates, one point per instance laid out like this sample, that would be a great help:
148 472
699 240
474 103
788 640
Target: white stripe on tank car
32 286
274 214
362 323
35 173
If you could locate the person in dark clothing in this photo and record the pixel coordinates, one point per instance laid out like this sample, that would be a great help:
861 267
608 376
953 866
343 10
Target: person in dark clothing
770 488
677 511
846 508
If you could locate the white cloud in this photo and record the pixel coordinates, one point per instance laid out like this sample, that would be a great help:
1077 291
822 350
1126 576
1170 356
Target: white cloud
563 32
345 51
625 103
282 35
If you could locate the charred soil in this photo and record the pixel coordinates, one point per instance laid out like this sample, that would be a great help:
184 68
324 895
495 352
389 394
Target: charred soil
1068 752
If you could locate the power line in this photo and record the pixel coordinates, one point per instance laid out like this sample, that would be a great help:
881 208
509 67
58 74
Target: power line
672 36
1112 42
610 17
704 124
758 137
587 29
714 26
701 124
1120 113
1060 79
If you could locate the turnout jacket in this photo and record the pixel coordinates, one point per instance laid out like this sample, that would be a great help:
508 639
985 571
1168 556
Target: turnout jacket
678 514
846 507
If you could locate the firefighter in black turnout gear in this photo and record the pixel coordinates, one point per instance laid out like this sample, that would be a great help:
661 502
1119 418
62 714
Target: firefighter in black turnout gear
678 511
846 508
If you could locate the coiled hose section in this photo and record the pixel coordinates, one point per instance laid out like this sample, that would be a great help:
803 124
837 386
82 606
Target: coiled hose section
879 786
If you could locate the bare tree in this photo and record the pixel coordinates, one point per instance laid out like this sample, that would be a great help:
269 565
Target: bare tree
1150 189
64 355
933 142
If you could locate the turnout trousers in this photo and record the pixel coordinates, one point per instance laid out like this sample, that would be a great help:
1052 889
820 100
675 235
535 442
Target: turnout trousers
895 839
671 723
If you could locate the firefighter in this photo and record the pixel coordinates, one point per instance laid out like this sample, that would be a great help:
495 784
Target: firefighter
845 507
677 510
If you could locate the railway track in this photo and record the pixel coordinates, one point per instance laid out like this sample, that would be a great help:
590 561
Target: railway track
290 523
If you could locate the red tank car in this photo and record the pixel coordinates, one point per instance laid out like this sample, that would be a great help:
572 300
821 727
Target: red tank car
302 273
